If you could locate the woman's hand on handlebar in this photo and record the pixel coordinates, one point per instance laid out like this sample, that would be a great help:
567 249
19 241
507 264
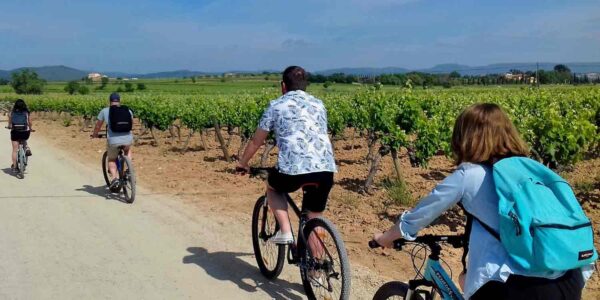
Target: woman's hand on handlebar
386 239
382 241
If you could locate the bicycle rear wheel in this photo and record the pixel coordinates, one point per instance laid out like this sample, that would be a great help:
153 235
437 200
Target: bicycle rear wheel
21 162
269 257
127 178
105 168
394 290
325 269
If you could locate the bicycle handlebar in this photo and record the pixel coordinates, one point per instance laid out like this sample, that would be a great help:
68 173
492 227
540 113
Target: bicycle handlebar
31 130
430 240
255 171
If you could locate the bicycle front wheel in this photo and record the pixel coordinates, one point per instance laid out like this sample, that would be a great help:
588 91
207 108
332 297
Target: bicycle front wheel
105 168
325 268
269 257
127 176
394 290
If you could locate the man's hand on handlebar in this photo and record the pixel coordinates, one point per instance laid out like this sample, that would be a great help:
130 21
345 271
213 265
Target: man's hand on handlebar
242 169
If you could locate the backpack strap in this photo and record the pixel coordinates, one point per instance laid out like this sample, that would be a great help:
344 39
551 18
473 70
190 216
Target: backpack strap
468 228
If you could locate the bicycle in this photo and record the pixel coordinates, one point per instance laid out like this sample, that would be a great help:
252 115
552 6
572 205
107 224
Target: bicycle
434 277
21 164
126 172
326 273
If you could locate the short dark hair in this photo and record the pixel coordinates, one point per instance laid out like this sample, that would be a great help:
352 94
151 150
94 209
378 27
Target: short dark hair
295 78
114 97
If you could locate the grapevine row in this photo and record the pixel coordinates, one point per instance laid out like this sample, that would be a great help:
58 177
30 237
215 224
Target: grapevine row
561 125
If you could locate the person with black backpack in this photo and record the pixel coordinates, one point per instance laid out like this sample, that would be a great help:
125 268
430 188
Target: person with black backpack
528 237
119 120
20 128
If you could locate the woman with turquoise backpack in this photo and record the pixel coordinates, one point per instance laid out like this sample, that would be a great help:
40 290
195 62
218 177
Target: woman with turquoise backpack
522 246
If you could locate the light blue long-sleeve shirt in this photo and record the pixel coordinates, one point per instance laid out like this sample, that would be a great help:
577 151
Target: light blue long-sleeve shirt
473 186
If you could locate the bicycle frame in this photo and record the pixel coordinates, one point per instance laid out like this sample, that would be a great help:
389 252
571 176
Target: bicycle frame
302 216
435 276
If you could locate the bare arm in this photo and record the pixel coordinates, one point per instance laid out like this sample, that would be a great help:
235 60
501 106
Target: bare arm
97 128
9 120
257 141
29 122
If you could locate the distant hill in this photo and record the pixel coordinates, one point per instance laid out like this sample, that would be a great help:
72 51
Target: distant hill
444 68
172 74
169 74
64 73
364 71
50 73
581 67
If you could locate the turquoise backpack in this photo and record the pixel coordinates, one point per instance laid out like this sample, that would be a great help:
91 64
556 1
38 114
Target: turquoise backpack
542 226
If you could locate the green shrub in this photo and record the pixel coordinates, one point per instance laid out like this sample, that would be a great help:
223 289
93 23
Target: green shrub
72 87
398 192
27 82
83 90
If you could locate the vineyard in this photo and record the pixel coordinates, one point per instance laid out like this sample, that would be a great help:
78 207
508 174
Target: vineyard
186 144
561 124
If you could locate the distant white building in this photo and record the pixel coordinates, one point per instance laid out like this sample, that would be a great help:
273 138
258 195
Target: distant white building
511 76
95 76
593 76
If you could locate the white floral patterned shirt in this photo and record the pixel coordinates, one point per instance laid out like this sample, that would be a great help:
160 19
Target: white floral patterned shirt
299 122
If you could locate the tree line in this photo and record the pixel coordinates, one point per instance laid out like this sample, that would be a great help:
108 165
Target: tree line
561 74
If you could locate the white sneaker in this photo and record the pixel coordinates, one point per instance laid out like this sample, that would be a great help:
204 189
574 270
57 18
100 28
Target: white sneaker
282 238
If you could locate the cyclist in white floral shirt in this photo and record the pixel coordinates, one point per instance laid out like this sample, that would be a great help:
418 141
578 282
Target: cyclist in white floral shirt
299 122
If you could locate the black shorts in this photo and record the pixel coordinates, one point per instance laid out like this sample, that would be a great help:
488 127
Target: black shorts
316 187
16 136
567 287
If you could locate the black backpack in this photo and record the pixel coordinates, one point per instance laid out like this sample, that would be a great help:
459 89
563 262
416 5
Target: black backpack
120 119
19 120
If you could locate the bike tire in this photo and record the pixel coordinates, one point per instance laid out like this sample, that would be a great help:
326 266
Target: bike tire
259 215
340 248
394 289
21 165
127 176
105 168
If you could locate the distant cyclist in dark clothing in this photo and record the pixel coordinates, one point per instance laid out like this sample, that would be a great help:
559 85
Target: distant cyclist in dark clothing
19 123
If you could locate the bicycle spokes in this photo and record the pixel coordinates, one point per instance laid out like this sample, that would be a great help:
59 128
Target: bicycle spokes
268 229
323 265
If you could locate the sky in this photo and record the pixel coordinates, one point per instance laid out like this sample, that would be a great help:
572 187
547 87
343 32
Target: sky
226 35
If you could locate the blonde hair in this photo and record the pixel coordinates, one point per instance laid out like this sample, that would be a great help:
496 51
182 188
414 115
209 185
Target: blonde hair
483 133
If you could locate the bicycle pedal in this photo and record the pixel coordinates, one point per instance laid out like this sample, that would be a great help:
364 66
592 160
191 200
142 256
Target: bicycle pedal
291 255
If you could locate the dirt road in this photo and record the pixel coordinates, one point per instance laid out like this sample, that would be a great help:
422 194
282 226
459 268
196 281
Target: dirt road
62 236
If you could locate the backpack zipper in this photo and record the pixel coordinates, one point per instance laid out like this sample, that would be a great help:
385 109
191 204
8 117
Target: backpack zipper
561 226
515 220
